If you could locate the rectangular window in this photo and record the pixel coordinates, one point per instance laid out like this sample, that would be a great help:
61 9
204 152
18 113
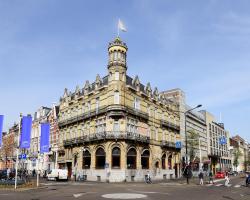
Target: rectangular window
117 76
97 104
116 98
88 107
137 104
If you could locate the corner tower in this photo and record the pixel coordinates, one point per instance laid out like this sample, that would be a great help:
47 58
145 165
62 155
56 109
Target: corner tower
117 64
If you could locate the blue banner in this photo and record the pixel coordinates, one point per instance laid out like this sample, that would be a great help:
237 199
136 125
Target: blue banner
45 132
26 132
1 129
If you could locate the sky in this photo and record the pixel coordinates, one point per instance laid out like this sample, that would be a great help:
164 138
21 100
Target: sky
202 47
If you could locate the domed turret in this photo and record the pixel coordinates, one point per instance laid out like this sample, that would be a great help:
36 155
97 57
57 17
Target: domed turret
117 53
117 64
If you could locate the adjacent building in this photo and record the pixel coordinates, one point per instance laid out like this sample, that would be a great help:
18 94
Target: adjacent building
196 129
218 144
239 152
117 129
35 160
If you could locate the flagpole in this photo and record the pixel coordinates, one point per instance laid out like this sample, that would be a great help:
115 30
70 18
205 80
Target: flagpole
17 150
118 31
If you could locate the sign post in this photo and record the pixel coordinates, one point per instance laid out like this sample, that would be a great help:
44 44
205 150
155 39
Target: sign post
17 150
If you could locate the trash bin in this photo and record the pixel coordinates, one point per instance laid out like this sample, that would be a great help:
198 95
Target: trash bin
98 178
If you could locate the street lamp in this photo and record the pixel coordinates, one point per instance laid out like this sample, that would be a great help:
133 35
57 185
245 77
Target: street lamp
185 113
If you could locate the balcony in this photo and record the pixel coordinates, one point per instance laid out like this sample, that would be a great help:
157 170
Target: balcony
102 136
138 113
82 116
167 144
111 110
170 125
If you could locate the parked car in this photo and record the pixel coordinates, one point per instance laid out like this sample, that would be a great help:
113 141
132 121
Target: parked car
220 175
58 174
3 174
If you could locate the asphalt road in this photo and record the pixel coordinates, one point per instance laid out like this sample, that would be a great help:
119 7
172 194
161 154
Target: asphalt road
168 190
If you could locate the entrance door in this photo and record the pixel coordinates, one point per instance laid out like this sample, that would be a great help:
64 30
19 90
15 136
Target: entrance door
176 170
69 166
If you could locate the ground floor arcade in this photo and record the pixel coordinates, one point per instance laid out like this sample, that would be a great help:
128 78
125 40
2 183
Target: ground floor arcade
121 161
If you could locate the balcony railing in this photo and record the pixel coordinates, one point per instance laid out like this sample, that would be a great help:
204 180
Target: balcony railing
112 135
111 110
168 144
170 125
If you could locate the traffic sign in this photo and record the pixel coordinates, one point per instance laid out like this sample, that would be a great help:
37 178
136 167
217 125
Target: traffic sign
178 145
22 156
223 140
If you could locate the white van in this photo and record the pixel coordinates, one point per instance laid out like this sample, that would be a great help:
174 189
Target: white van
58 174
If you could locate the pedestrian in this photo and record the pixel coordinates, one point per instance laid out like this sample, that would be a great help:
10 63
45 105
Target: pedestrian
226 179
211 177
201 176
8 173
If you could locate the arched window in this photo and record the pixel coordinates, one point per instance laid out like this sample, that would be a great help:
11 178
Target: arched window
100 158
86 161
145 159
131 159
170 162
163 161
116 154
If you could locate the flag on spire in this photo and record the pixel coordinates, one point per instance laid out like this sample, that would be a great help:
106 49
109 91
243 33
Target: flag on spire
121 26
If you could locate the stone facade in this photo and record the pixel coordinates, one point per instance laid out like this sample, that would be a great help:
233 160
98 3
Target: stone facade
117 129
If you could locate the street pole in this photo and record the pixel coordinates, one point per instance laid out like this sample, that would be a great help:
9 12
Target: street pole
200 153
37 169
186 148
17 150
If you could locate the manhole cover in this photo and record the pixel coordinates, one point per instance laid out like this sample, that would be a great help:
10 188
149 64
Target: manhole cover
124 196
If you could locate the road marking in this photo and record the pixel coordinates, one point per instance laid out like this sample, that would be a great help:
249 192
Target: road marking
218 185
77 195
237 186
210 184
229 185
148 192
124 196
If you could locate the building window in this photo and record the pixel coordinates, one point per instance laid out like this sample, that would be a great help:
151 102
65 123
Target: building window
115 55
116 154
88 107
116 97
163 161
117 76
86 162
97 104
145 159
100 158
137 103
170 162
131 159
116 126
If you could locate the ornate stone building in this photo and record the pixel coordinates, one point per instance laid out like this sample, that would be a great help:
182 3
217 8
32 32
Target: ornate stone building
117 129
